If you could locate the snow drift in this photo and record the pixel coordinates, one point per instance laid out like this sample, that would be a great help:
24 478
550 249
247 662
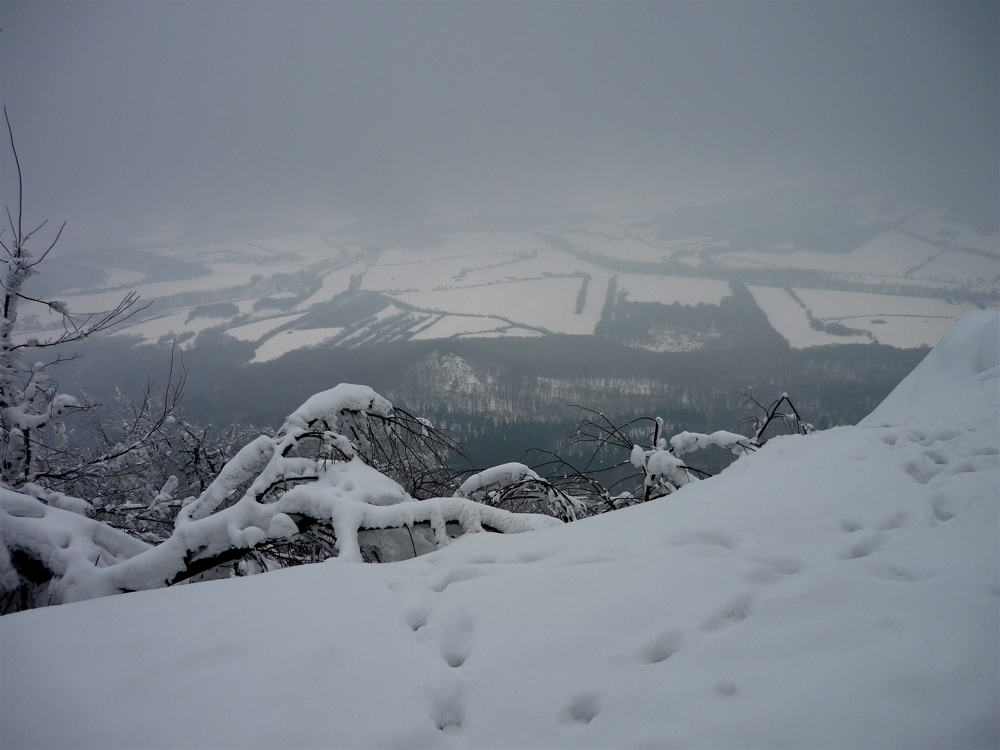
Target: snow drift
832 590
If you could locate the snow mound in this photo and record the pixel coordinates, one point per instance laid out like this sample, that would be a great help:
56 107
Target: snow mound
966 357
832 590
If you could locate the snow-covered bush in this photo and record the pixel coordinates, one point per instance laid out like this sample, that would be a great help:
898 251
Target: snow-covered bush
517 488
311 474
634 462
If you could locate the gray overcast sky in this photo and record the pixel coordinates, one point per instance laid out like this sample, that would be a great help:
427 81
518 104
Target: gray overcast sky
130 115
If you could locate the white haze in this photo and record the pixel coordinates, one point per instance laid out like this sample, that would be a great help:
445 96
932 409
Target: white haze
137 119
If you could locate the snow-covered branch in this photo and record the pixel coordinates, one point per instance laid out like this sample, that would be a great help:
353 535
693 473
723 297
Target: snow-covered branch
313 474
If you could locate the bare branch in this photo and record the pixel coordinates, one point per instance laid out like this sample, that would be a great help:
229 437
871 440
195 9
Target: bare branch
20 182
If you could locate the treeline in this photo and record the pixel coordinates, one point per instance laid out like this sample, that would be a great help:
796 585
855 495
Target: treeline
504 395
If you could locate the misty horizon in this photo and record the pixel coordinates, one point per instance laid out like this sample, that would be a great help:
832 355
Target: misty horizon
138 119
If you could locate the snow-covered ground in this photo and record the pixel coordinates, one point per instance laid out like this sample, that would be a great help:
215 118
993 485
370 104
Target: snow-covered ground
833 590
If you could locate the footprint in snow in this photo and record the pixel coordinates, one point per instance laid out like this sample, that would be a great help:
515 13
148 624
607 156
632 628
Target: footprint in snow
583 708
901 573
735 612
416 617
661 648
448 708
866 546
726 687
455 575
894 521
774 568
454 628
707 538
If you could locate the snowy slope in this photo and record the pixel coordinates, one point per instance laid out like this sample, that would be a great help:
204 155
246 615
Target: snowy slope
833 590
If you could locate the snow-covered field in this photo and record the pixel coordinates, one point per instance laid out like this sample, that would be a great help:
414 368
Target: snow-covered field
668 290
446 326
833 590
788 318
289 341
541 303
256 331
890 319
527 273
905 321
891 255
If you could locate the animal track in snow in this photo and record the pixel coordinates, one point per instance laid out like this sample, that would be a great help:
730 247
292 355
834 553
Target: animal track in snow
416 618
726 687
586 560
454 575
900 573
920 471
661 648
773 568
894 521
454 629
864 547
710 538
482 559
736 611
943 508
850 525
528 557
448 709
583 708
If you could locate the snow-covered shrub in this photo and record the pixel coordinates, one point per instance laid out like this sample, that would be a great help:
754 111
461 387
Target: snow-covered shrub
632 463
312 475
764 421
517 488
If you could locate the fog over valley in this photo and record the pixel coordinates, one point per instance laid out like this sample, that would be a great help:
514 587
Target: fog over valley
186 120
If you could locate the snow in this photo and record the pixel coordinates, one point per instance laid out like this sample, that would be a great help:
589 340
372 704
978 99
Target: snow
170 324
288 341
891 319
496 477
908 321
543 303
258 329
334 283
832 590
975 270
670 289
517 277
790 320
448 326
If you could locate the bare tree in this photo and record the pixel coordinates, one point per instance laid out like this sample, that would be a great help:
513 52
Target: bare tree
30 401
